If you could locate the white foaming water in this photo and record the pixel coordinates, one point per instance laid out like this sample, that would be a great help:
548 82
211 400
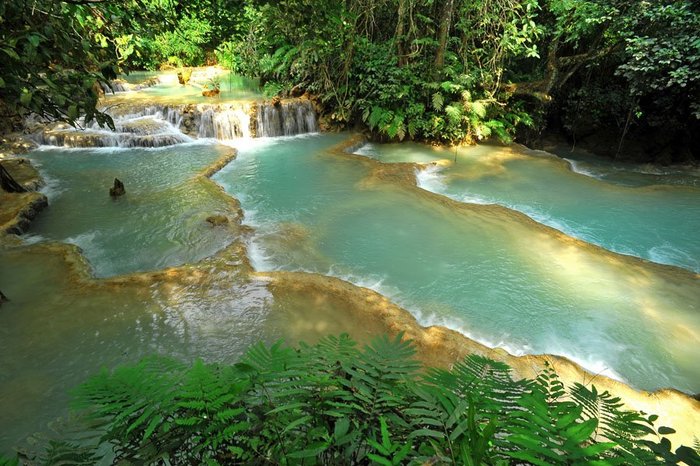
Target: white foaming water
224 124
30 238
138 131
431 178
51 187
286 119
86 242
260 259
667 254
367 149
577 167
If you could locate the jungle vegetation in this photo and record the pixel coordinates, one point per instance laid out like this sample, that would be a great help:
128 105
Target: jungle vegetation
624 71
335 403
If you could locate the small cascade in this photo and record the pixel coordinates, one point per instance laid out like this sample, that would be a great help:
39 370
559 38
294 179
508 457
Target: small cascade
144 131
286 119
119 85
224 123
114 86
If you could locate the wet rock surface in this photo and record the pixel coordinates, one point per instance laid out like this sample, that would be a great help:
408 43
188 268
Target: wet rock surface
118 189
17 209
217 220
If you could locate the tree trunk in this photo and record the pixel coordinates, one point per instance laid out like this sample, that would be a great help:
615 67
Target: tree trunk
444 33
8 183
400 31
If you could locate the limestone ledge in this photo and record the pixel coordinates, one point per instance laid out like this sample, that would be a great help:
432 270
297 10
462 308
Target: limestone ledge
442 347
339 306
18 209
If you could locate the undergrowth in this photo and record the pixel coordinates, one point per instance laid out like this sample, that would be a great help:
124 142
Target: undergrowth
334 403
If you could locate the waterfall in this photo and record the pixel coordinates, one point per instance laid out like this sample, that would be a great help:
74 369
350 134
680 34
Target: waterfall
224 123
119 85
141 131
162 125
114 86
286 119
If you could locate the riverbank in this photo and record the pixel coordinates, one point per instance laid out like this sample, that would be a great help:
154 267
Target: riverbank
18 209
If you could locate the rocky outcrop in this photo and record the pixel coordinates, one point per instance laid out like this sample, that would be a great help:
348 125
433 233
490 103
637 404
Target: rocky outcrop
17 209
183 77
117 190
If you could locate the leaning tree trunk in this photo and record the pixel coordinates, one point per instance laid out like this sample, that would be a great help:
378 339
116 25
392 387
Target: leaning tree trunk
8 183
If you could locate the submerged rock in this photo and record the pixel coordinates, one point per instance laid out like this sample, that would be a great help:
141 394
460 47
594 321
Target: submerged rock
3 298
217 220
183 77
118 189
210 93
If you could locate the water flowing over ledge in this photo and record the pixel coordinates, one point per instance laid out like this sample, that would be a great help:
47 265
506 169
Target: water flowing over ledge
154 125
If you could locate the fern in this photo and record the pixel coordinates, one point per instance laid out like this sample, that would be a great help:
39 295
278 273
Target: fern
396 129
438 101
454 114
478 108
378 117
336 403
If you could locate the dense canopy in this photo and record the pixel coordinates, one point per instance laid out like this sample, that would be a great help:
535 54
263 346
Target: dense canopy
449 71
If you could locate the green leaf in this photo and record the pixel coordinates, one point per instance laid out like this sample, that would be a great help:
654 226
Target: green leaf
25 98
34 39
297 422
379 459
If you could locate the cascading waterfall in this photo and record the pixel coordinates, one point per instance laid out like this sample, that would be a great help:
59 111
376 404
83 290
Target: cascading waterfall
224 123
119 85
285 119
130 131
165 125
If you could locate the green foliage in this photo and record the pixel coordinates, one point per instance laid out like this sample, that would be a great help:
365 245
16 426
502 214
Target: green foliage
183 45
384 78
54 54
335 403
4 461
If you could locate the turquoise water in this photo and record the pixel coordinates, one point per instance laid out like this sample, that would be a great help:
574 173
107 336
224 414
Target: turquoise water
232 88
160 222
56 331
488 273
483 270
636 212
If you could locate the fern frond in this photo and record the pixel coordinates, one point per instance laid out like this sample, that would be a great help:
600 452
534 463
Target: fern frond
438 101
454 114
478 108
377 117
